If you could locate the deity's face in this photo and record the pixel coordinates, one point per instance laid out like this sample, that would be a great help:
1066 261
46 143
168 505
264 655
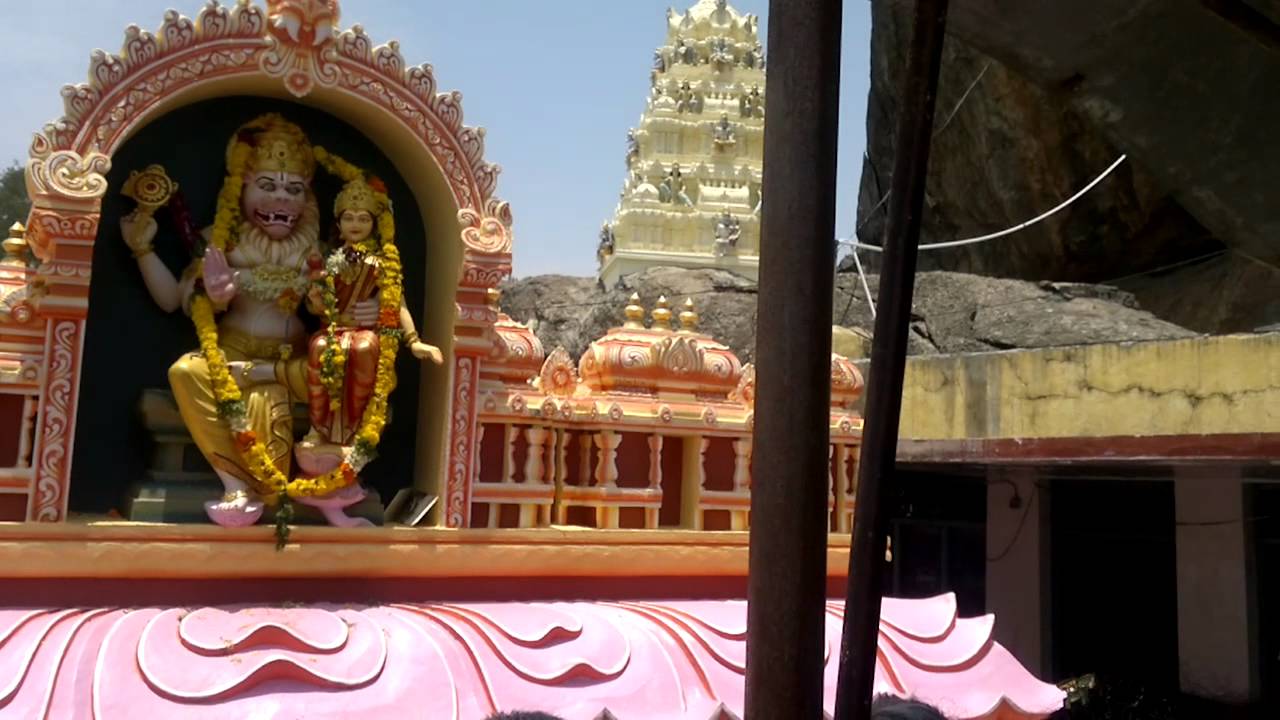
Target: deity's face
274 201
355 226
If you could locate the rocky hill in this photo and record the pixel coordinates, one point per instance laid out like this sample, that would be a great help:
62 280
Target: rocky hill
953 312
1023 125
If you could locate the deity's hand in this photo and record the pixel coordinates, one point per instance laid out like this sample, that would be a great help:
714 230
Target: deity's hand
248 373
363 314
219 278
423 351
139 232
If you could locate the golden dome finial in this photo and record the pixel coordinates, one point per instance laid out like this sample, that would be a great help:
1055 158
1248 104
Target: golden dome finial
493 295
662 314
16 244
634 312
689 318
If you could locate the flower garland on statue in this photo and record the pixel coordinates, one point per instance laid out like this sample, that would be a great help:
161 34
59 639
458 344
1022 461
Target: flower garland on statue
271 483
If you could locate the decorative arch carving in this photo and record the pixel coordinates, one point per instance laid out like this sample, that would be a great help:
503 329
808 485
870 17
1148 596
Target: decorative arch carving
299 43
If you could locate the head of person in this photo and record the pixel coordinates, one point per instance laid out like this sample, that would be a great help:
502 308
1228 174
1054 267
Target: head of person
889 707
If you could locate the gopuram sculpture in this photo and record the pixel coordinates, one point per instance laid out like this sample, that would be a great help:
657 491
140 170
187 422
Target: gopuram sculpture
699 149
251 271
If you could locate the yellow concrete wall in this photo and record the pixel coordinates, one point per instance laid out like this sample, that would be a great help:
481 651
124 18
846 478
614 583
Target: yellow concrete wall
1209 385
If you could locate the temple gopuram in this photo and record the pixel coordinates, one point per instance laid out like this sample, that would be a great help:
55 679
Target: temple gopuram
692 194
269 449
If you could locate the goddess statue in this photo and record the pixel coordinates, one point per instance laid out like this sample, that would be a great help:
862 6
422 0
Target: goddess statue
351 366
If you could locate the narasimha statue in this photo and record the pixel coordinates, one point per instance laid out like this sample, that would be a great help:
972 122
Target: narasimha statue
252 270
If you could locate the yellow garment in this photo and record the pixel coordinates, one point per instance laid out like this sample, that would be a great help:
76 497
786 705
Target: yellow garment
269 406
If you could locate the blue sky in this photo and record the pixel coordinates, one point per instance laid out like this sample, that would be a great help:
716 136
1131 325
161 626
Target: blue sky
556 85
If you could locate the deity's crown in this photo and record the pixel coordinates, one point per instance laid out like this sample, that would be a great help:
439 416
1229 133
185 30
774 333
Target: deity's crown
277 145
360 195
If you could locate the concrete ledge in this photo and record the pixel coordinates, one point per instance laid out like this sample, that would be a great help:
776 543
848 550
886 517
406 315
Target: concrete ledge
136 551
1205 386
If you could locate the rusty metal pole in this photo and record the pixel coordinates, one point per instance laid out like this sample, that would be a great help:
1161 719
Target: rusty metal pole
785 618
888 363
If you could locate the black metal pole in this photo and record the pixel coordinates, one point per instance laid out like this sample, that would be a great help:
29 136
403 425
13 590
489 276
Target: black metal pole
888 363
787 588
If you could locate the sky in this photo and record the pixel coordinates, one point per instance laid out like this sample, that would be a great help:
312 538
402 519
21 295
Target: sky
556 85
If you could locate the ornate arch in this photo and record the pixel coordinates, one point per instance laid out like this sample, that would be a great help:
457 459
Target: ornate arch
299 44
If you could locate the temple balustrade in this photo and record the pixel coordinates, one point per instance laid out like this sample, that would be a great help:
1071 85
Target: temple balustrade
652 427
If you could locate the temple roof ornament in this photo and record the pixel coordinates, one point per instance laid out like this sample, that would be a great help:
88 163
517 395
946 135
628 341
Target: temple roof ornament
659 359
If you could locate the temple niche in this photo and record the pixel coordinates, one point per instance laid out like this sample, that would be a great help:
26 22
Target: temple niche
259 234
692 194
131 342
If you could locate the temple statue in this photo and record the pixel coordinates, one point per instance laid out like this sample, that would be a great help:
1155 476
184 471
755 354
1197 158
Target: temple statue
727 231
257 282
253 268
350 363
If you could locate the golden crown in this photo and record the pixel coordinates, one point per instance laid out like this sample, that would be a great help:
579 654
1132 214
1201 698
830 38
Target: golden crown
277 146
359 195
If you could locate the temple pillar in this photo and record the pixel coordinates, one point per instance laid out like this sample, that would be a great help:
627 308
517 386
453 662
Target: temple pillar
1018 565
607 475
695 476
1217 631
655 479
738 519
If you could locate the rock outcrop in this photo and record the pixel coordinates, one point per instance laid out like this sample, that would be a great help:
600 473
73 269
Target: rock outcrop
1011 151
1048 95
953 312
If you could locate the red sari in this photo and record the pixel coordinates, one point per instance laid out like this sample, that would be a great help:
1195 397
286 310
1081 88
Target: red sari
361 348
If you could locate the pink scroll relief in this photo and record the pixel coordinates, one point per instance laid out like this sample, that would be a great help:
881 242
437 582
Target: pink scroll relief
580 661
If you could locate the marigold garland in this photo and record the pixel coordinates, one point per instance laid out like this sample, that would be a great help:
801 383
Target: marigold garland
270 482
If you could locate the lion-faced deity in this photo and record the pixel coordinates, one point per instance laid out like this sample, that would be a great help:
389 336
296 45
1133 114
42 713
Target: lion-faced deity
280 215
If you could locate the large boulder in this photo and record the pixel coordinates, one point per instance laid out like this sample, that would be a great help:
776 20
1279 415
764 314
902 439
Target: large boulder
1013 150
952 312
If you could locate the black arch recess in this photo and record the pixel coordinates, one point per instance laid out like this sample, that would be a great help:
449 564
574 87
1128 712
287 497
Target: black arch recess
130 343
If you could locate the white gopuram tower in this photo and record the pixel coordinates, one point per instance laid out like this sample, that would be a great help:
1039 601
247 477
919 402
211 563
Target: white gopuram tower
692 194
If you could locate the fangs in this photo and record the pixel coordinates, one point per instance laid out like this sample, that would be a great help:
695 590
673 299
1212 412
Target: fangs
275 218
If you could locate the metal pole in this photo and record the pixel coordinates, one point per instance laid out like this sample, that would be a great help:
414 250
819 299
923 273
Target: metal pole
789 527
888 364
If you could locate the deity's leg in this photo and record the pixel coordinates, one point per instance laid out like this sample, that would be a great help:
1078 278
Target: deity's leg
270 417
362 374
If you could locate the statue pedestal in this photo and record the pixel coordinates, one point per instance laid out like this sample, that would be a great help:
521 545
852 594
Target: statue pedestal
179 481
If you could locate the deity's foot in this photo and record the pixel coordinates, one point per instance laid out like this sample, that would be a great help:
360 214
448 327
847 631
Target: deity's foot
235 509
316 457
332 505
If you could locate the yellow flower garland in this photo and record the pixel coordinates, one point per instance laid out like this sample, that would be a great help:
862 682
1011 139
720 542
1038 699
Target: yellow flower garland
270 482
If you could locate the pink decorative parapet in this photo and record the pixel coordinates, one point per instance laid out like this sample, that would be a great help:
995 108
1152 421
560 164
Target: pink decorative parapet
581 661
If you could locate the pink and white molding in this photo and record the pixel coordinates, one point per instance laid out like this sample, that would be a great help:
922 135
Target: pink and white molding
446 661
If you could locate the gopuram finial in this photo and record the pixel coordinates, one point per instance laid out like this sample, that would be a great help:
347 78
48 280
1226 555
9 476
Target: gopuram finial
15 246
689 318
634 312
662 314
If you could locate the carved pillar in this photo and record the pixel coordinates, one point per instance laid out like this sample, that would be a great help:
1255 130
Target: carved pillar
27 435
695 476
562 473
607 442
59 398
462 441
655 479
832 489
66 192
509 435
846 479
534 470
741 479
